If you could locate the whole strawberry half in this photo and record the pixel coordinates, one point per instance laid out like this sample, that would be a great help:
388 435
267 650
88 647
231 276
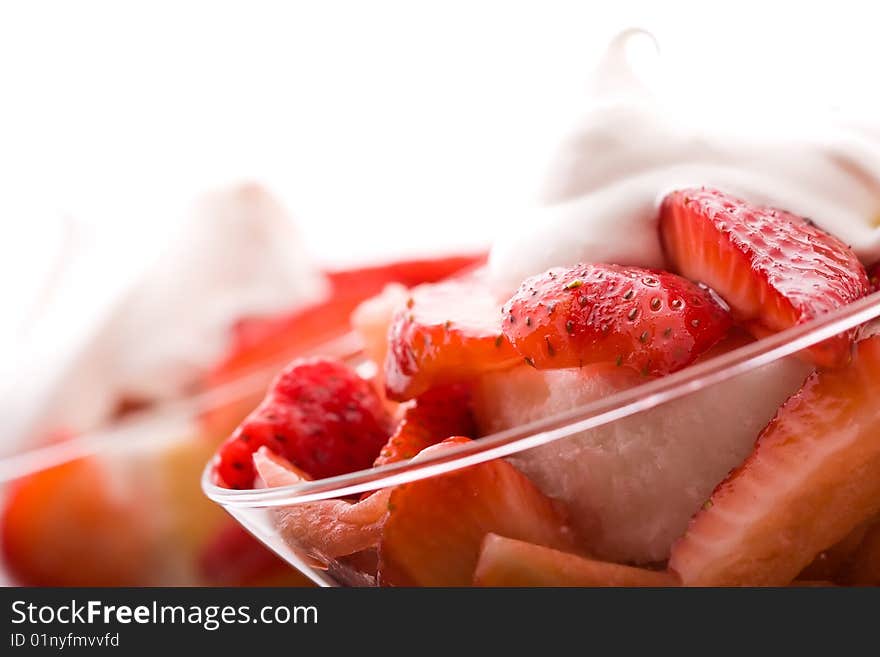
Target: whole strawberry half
319 415
774 268
653 321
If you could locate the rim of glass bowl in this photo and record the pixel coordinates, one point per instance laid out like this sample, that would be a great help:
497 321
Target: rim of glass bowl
558 426
142 427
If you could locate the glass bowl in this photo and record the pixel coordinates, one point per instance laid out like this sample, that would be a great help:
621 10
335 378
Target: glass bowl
596 449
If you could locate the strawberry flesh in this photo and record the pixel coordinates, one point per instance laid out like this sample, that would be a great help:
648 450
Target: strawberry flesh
434 416
445 333
774 268
813 477
652 321
863 568
829 564
435 526
319 415
509 562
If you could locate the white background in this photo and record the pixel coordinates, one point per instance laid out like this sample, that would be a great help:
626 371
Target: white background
386 127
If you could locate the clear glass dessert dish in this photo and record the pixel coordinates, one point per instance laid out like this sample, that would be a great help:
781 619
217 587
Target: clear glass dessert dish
634 464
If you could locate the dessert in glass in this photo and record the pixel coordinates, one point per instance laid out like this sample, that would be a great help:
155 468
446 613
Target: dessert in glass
665 376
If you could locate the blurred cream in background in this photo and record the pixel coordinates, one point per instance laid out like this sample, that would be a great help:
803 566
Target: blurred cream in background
235 253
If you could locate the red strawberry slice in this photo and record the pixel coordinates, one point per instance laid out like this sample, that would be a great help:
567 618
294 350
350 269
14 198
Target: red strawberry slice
435 416
863 568
775 269
319 414
508 562
435 526
446 333
813 477
325 529
652 321
829 564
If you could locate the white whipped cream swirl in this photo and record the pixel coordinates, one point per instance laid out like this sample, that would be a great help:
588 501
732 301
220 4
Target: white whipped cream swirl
631 147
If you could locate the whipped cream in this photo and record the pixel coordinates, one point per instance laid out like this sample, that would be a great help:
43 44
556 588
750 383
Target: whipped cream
237 253
631 147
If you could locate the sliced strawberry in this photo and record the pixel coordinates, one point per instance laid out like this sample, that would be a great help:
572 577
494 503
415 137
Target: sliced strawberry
65 527
436 415
775 269
319 414
445 333
509 562
813 476
325 529
652 321
828 564
863 567
812 583
435 526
